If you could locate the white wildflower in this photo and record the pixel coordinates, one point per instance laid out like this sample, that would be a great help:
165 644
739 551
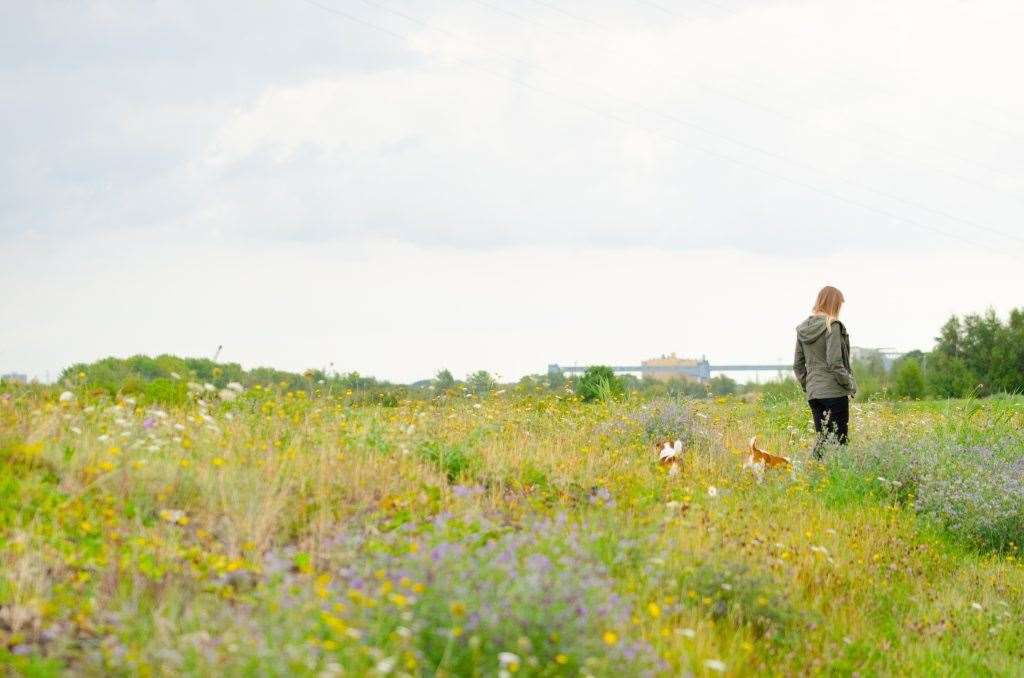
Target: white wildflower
67 397
386 666
172 515
714 665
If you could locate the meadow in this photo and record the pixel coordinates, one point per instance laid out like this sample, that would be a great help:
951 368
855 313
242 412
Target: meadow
279 531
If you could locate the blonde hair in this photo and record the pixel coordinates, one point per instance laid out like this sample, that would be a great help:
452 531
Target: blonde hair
828 303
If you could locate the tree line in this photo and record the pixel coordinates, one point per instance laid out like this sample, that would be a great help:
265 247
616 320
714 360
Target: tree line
974 355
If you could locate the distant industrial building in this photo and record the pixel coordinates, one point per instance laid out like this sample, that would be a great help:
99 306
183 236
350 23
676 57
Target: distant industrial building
15 377
886 356
669 367
670 360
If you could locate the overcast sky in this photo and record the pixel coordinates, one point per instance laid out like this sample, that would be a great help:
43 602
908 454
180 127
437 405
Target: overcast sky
398 186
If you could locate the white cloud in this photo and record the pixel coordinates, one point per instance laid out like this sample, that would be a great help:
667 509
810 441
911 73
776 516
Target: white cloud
368 114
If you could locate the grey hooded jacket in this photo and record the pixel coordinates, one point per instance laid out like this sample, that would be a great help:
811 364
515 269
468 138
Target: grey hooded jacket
822 360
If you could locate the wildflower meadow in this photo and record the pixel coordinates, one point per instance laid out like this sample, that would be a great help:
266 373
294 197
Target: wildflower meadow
284 530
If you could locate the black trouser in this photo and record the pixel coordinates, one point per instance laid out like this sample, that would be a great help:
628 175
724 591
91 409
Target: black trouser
831 420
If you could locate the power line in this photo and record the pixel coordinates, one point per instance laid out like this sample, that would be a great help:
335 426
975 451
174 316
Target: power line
859 81
575 17
628 123
720 93
706 130
863 84
876 146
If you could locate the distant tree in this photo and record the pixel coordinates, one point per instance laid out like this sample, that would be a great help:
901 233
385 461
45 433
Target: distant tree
950 339
981 336
480 382
556 380
991 351
528 384
356 382
948 376
443 381
872 379
1006 370
721 385
915 355
598 383
630 382
909 379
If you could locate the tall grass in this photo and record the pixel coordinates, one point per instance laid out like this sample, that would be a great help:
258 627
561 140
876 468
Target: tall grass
294 533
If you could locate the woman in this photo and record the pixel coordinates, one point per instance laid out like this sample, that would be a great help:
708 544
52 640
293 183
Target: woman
822 366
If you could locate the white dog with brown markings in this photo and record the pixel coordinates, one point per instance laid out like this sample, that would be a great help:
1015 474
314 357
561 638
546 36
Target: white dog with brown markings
670 454
758 460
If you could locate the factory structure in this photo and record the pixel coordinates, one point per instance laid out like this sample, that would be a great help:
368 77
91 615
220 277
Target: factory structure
670 367
693 372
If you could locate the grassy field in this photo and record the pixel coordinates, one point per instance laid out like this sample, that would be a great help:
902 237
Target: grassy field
292 533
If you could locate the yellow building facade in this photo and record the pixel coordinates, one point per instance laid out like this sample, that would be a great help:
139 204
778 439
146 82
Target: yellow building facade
670 360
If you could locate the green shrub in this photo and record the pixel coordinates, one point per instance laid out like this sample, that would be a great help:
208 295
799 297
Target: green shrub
949 377
453 459
166 392
909 380
598 383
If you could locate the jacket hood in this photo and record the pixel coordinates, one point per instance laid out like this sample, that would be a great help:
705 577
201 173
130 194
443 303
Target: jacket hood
811 329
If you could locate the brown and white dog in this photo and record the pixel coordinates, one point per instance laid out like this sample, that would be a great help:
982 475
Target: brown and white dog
670 455
758 460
